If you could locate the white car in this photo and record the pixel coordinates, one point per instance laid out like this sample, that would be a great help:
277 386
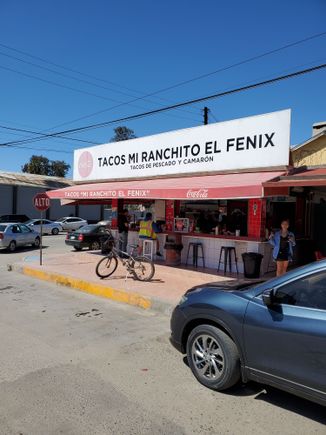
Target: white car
48 227
71 223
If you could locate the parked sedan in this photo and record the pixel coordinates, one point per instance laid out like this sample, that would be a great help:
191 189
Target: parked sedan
13 235
48 227
88 236
71 223
17 218
273 332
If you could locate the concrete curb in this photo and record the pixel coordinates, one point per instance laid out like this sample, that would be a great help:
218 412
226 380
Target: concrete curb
121 296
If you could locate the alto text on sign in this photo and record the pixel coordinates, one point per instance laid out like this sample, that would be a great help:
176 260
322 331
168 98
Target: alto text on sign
41 201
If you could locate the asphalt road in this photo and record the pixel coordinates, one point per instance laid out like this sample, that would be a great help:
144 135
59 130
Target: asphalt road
71 363
51 244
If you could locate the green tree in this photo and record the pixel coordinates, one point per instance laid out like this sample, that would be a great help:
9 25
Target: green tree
37 165
58 168
43 166
123 133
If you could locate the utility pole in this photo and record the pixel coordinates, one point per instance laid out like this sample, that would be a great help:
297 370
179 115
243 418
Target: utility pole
206 110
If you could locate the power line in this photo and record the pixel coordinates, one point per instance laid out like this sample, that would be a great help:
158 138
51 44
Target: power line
226 68
41 134
259 56
182 104
74 78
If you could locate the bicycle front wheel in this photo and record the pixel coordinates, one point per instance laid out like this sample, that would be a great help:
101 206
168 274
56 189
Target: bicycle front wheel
106 267
143 269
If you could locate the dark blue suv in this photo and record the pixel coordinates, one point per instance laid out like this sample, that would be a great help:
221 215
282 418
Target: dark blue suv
272 332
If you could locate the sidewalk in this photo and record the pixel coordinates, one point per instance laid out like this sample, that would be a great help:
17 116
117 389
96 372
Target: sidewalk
77 270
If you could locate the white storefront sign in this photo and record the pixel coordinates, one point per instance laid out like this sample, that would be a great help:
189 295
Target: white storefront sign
247 143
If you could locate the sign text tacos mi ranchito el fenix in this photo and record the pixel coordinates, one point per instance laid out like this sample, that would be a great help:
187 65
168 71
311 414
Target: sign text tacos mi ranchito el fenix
247 143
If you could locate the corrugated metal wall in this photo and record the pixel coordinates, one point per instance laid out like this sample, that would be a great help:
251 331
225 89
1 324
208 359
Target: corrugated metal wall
6 199
57 210
90 212
25 201
24 204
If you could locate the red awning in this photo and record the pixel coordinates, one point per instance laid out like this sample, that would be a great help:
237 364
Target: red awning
308 178
223 186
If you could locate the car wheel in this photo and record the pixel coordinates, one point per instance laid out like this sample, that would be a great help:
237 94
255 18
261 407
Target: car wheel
213 357
12 246
55 231
77 248
95 246
36 243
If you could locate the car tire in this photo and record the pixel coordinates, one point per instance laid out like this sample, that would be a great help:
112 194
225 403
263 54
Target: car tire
77 248
12 246
213 357
36 243
95 246
55 231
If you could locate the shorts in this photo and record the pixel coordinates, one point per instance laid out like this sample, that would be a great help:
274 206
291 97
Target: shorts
283 256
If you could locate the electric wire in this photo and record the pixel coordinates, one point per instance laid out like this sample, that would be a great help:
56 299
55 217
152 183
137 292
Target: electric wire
182 83
181 104
259 56
80 73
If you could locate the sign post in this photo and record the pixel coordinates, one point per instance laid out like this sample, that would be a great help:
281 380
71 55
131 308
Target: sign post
41 202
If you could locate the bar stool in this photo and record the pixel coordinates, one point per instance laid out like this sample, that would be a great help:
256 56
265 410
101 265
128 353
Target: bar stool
227 250
195 248
151 245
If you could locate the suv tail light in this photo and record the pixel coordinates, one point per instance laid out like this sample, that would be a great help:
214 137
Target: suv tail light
80 237
1 236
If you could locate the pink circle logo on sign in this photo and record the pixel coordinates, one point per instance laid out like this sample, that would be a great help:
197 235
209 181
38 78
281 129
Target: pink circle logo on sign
85 164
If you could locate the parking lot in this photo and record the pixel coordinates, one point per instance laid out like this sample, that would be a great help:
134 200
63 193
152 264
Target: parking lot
79 364
73 363
51 244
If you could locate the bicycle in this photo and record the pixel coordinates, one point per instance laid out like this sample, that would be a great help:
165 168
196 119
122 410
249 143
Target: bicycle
140 267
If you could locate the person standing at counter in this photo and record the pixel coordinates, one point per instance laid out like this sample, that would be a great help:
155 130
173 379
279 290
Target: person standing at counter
283 242
147 231
123 227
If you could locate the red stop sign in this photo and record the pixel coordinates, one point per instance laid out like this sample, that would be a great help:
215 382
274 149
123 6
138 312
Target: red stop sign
41 201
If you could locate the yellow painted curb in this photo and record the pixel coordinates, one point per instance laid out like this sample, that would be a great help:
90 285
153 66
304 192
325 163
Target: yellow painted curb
92 288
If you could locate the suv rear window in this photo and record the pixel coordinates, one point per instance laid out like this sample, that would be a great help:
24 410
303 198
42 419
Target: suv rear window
14 218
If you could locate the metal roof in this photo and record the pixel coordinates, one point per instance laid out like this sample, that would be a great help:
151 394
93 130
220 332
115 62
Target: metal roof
310 140
33 180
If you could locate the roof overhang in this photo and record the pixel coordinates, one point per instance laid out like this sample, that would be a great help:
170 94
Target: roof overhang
222 186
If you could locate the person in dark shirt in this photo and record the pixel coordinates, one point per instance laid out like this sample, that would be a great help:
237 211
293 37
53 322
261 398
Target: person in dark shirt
123 227
283 242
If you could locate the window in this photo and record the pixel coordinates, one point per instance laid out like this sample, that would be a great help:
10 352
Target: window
37 222
15 229
24 229
305 292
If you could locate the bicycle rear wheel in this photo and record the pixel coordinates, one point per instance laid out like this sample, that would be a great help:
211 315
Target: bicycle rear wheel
143 269
106 267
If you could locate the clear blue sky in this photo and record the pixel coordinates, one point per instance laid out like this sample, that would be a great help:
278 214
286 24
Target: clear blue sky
146 46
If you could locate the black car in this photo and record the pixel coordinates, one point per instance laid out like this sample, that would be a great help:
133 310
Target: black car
273 332
89 236
14 218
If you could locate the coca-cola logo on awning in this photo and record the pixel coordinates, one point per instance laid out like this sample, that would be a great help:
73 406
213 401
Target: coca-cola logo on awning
85 164
201 193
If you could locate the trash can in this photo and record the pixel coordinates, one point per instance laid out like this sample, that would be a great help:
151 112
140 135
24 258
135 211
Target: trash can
173 253
251 263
